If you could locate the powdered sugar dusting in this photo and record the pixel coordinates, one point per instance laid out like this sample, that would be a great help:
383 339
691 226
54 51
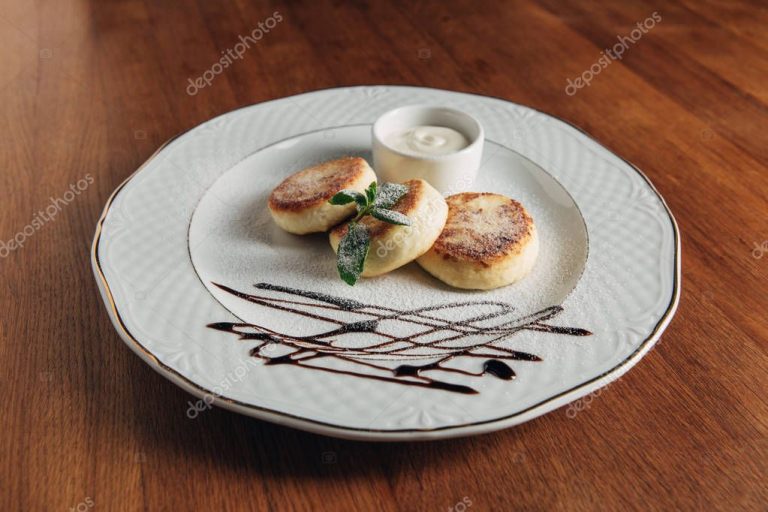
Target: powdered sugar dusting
389 193
234 242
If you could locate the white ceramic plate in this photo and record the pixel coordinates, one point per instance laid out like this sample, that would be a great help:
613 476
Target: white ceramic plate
189 263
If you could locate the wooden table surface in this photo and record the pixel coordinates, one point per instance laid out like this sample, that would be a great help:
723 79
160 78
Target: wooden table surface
92 88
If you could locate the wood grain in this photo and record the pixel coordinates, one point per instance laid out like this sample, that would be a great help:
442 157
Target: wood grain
91 88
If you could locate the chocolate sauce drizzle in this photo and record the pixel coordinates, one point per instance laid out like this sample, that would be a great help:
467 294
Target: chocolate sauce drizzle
444 338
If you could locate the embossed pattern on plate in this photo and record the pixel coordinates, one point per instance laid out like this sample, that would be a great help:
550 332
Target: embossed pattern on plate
626 295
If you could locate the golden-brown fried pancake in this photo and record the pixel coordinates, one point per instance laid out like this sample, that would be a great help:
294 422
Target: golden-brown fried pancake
393 246
489 241
300 203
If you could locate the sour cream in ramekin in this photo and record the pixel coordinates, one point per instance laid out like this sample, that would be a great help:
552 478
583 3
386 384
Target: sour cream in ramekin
428 140
440 145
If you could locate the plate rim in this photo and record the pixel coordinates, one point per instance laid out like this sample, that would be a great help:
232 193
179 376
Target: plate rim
357 433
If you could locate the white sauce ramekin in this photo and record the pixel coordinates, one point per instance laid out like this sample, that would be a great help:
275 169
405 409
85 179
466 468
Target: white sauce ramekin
451 173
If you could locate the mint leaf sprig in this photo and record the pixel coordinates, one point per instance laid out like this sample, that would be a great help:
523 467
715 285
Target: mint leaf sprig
376 202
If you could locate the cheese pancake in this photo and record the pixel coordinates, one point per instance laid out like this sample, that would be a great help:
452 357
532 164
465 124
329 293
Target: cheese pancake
489 240
300 204
392 245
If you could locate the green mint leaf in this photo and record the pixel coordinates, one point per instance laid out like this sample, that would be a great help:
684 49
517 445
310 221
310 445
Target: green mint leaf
354 245
370 192
389 194
351 253
345 197
362 204
390 216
